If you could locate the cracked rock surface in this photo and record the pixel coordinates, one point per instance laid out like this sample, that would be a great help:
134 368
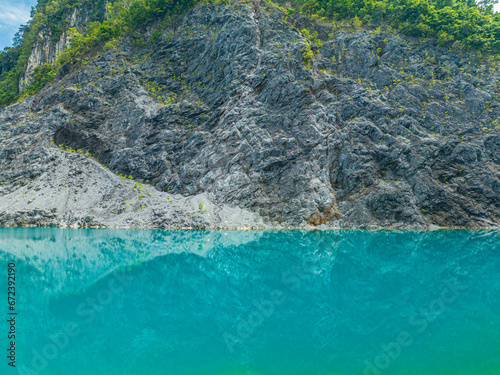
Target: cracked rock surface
220 124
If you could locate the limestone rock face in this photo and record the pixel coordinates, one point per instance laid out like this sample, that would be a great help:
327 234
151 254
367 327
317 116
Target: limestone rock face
225 125
48 45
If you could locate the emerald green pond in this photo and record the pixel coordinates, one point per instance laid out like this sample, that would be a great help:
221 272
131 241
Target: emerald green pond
353 302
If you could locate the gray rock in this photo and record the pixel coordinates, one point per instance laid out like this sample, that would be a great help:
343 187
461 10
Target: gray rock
221 112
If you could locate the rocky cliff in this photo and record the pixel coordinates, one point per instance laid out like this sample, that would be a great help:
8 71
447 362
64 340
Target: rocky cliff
50 43
225 121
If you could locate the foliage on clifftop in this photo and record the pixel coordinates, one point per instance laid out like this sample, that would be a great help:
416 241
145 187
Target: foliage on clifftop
51 15
107 22
462 24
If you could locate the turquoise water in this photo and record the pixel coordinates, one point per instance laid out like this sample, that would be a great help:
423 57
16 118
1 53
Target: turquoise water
351 302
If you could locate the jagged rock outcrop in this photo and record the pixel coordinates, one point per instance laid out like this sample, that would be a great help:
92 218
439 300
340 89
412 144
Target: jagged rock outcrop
49 44
381 131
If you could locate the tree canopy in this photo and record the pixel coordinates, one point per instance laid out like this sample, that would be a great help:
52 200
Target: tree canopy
464 24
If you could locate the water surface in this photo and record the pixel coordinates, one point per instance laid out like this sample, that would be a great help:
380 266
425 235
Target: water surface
94 301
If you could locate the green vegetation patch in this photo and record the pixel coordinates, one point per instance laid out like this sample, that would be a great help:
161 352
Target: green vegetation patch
463 24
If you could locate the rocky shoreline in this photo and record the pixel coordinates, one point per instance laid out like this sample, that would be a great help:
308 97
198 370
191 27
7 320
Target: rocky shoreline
221 124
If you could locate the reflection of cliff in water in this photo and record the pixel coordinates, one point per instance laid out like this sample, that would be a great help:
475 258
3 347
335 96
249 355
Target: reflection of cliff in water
270 301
